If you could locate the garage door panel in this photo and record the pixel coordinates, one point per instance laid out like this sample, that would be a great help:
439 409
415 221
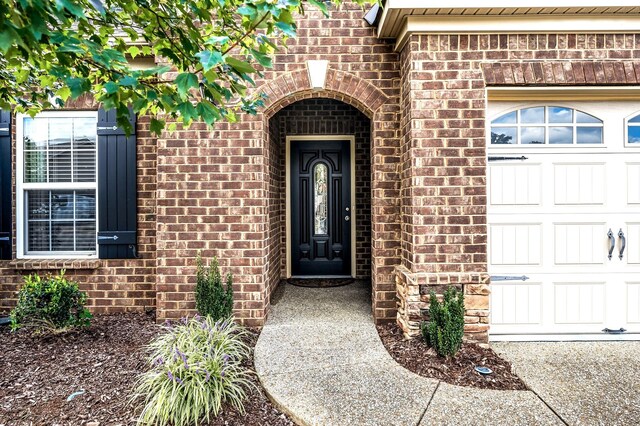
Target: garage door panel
579 243
579 184
633 302
632 244
515 244
516 303
633 183
515 184
579 302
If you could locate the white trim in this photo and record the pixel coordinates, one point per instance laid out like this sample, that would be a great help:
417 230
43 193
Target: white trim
563 93
352 153
562 337
21 186
529 24
506 4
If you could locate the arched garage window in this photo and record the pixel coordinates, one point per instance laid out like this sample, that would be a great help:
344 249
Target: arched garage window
547 125
633 131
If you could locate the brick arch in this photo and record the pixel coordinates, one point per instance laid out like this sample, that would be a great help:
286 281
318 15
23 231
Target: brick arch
339 85
383 111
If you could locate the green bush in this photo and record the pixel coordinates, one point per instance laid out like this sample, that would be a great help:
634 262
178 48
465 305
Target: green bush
445 328
212 299
194 368
52 303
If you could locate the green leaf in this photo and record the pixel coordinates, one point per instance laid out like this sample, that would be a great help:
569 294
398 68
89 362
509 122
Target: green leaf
7 38
208 112
240 66
209 59
128 81
247 10
71 6
286 28
262 58
186 81
78 86
111 88
156 126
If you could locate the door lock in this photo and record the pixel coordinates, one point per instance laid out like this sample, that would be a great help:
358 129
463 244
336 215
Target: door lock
347 217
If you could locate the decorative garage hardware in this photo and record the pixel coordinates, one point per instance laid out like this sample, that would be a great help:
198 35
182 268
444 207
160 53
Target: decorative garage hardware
509 278
618 331
507 158
623 242
612 243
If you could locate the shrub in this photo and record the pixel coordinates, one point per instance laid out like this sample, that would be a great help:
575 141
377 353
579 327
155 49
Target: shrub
445 328
52 303
212 299
194 368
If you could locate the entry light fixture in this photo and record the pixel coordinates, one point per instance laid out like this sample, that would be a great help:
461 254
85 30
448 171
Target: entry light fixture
317 73
372 15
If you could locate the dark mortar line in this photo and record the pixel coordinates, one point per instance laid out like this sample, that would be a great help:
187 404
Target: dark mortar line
429 403
549 407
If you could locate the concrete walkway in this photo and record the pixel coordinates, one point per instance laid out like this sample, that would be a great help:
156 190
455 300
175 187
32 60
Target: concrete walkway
321 361
586 383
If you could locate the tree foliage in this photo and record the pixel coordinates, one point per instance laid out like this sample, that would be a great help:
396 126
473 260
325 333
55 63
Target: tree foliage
212 50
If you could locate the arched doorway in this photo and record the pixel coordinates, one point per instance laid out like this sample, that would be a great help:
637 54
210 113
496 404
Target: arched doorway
319 190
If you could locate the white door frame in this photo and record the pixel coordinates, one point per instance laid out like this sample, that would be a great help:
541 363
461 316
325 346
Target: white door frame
352 154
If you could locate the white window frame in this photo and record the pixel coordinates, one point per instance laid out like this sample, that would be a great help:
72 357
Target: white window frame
626 130
21 187
546 125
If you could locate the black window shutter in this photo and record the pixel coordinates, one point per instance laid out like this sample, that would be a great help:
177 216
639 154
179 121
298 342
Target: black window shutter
5 184
117 224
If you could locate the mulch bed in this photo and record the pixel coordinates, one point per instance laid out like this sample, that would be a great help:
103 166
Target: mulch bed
416 356
38 373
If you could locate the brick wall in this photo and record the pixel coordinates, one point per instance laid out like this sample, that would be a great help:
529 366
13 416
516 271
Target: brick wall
444 239
112 285
318 116
216 187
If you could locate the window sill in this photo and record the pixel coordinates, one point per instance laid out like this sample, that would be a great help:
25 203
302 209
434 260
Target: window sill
54 264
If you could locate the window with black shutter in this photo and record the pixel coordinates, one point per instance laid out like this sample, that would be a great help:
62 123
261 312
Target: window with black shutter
117 225
5 184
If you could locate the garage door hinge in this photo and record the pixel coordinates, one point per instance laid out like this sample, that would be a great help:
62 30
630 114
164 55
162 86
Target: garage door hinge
618 331
509 278
507 158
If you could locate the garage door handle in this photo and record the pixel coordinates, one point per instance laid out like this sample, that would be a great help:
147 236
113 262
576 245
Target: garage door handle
612 243
623 243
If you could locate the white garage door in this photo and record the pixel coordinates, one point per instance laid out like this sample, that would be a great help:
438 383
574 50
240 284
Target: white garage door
564 214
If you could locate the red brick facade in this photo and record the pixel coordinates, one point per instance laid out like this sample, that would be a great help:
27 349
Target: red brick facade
418 117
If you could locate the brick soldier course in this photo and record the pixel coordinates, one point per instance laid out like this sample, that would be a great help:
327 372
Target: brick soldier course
418 116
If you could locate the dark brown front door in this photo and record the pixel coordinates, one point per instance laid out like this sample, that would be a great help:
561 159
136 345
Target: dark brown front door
321 210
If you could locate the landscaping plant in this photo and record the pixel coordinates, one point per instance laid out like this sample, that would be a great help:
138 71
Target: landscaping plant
52 303
195 367
445 327
212 298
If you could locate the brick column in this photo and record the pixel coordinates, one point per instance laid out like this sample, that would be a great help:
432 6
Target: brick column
444 235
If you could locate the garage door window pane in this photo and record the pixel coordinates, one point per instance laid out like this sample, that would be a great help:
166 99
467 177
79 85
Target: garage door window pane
560 115
560 135
582 117
503 135
633 135
532 115
510 118
532 135
589 135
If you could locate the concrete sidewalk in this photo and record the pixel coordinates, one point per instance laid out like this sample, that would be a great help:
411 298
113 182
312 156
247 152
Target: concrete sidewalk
321 361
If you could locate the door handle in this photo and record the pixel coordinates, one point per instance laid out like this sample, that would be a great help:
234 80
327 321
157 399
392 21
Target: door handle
623 243
612 243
